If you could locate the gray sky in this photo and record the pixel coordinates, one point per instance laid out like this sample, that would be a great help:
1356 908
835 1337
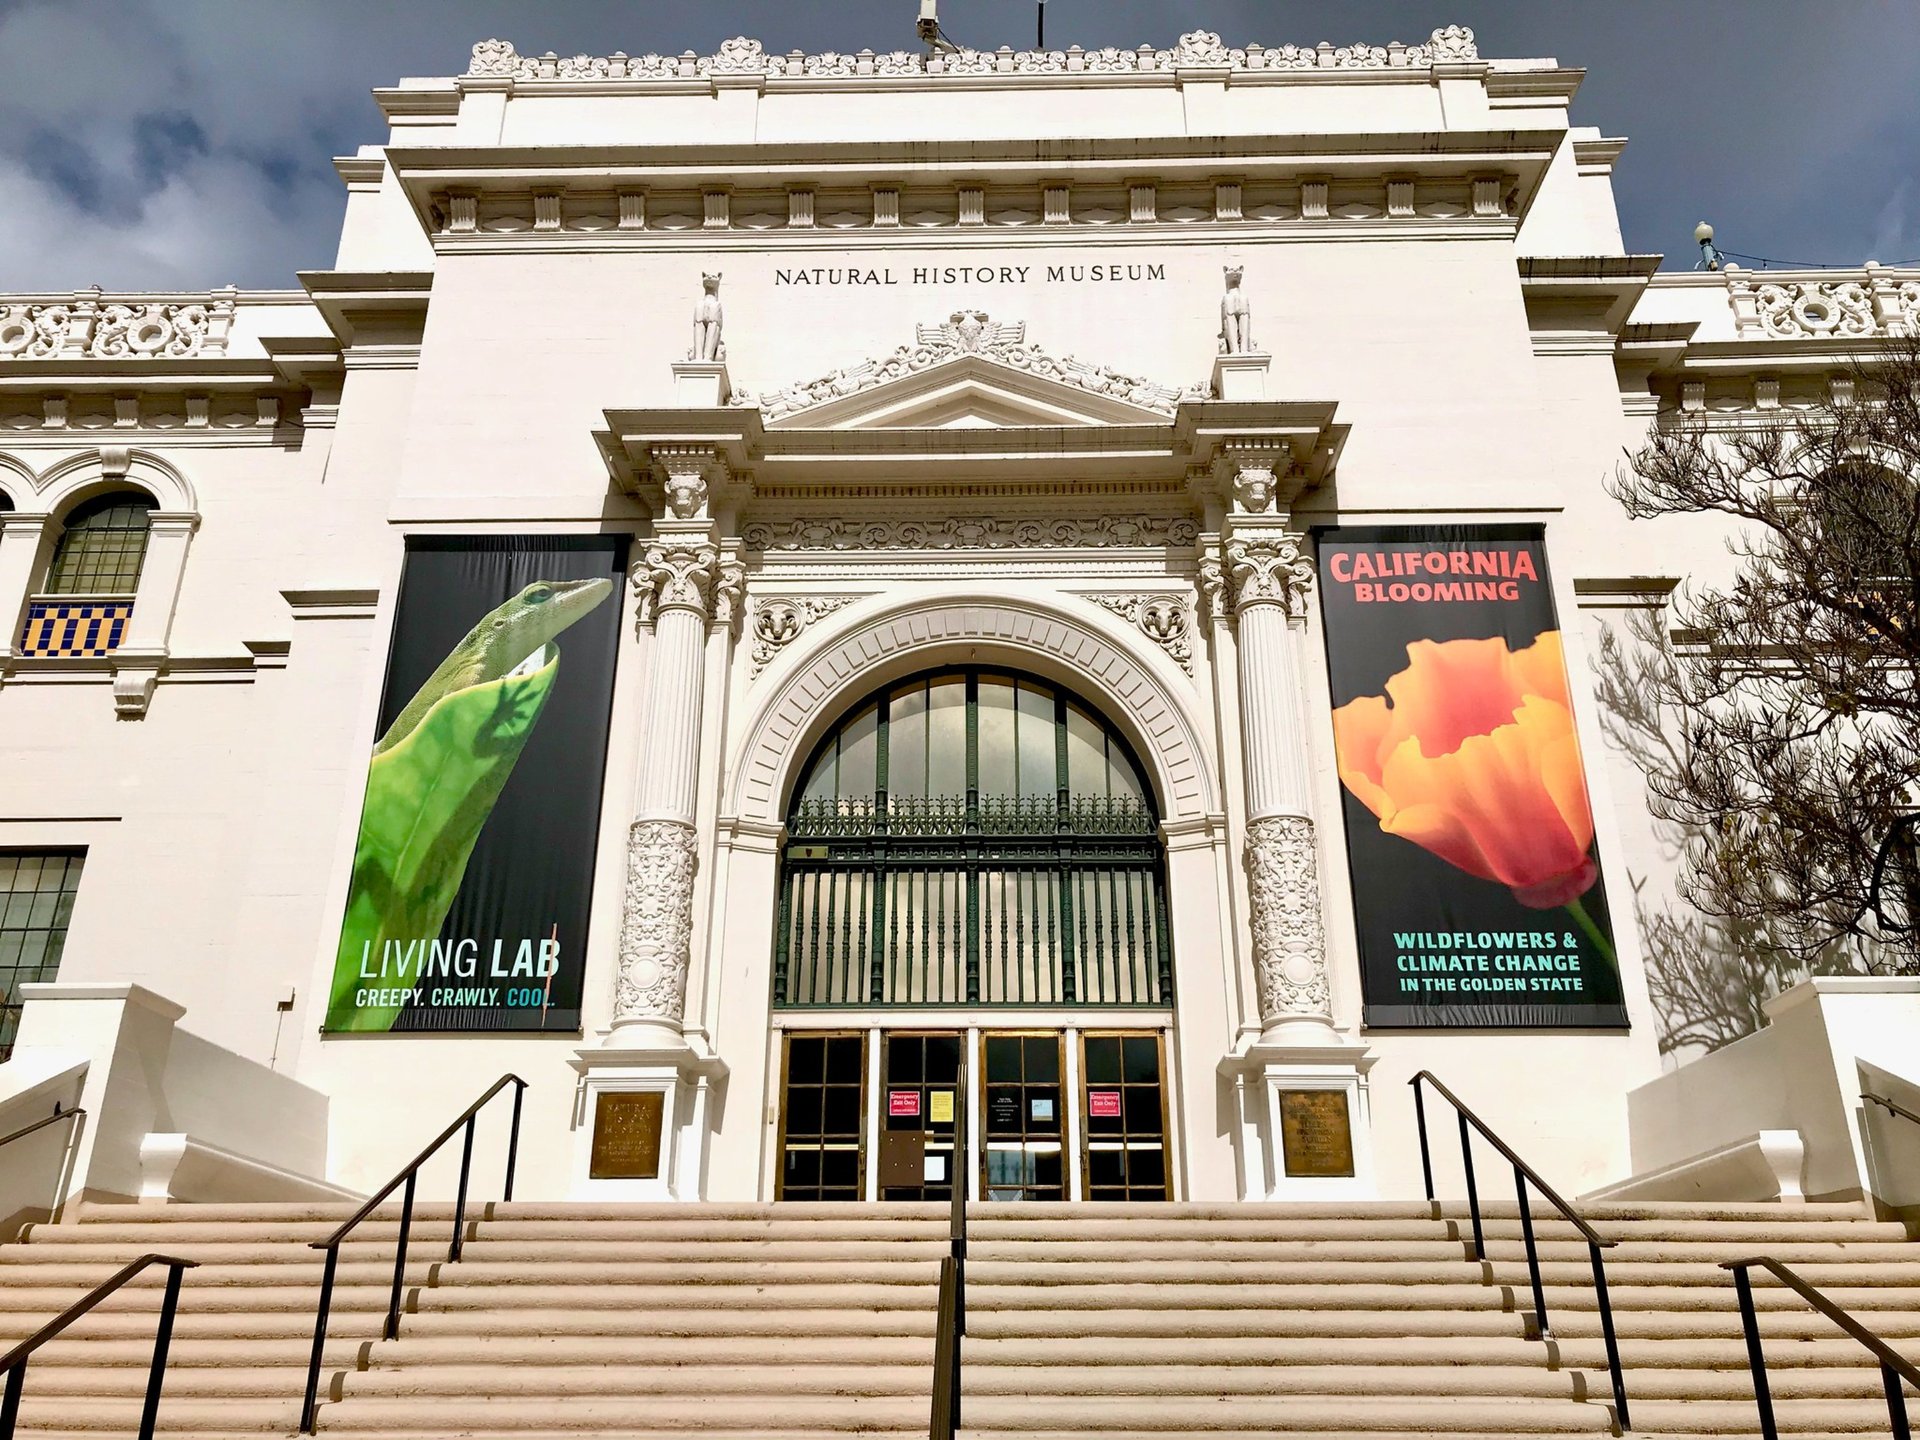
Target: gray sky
163 143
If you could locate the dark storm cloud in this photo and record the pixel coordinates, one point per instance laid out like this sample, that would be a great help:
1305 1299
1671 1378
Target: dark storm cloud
187 142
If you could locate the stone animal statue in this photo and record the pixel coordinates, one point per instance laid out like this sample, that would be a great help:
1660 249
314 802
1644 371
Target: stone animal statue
1236 316
708 318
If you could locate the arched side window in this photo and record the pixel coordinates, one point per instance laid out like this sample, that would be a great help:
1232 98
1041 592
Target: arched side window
84 608
972 837
102 547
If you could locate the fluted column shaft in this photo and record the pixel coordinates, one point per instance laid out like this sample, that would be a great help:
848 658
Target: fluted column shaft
676 580
1268 579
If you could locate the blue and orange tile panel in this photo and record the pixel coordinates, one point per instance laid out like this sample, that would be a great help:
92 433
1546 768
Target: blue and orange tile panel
74 627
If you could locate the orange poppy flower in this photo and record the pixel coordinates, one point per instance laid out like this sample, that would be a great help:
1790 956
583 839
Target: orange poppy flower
1471 755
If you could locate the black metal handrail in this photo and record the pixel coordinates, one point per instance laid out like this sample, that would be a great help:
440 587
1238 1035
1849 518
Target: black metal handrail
407 1176
1523 1175
13 1364
950 1325
1893 1106
1894 1367
42 1123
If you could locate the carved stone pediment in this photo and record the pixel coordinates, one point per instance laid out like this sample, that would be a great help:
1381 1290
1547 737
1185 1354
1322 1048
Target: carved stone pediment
969 370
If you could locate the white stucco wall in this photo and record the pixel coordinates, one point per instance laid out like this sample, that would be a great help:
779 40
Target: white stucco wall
219 825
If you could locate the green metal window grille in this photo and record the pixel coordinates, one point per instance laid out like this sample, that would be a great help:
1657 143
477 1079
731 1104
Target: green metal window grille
972 837
102 548
36 902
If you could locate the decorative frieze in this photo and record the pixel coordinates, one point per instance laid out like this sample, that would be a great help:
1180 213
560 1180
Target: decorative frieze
1196 50
969 532
778 621
969 332
1161 618
1831 307
92 325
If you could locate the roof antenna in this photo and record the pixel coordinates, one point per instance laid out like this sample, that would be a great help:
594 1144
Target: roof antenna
1040 40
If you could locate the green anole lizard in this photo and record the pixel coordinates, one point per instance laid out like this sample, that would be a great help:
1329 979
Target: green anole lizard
501 641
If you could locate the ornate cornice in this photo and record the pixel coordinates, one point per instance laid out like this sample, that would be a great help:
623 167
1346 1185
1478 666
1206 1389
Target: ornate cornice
1196 50
970 332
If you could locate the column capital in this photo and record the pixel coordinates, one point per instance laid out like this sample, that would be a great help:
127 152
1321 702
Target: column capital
729 588
676 572
1268 566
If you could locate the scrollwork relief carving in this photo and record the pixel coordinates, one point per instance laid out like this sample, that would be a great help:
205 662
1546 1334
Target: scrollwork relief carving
656 924
1161 618
1289 942
968 532
1816 309
778 621
106 329
969 332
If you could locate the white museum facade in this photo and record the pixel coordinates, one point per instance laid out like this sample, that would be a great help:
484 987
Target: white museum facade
976 432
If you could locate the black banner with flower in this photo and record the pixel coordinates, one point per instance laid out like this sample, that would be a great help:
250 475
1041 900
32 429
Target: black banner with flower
1476 884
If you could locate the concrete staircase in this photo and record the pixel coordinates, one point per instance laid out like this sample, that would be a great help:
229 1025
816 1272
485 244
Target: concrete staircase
791 1321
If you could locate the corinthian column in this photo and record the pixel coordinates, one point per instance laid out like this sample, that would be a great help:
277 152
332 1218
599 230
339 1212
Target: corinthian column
678 579
1267 578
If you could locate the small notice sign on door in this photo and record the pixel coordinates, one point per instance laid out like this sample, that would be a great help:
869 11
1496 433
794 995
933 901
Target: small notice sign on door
903 1102
1103 1102
940 1107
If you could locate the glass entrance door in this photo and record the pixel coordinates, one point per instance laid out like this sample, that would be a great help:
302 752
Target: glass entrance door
1124 1106
822 1105
1021 1101
919 1076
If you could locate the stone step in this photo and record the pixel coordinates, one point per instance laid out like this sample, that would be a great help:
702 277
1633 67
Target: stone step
988 1413
852 1377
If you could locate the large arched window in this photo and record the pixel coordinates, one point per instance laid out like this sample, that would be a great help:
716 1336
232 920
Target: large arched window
972 837
102 547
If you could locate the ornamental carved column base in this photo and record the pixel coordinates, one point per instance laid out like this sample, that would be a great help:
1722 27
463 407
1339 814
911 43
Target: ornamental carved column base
644 1119
1289 942
1303 1120
656 933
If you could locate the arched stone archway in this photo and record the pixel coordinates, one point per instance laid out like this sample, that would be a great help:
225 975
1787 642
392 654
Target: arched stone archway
865 647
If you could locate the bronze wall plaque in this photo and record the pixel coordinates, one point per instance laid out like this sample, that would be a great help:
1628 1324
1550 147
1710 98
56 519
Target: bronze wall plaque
626 1135
1316 1133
